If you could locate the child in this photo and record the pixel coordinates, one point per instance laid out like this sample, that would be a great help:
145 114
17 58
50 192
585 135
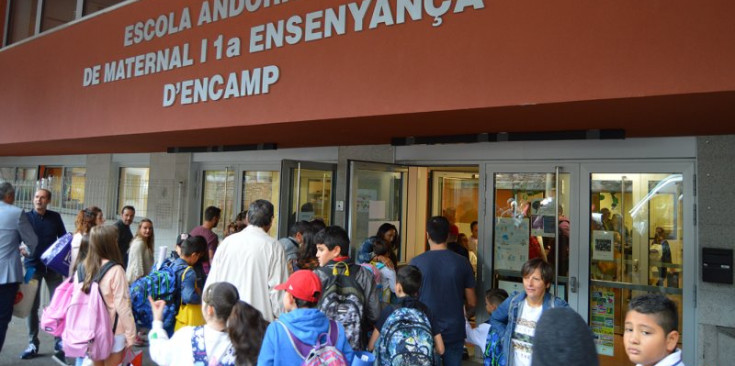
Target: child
232 334
302 323
651 333
382 262
421 321
190 281
113 286
478 335
350 295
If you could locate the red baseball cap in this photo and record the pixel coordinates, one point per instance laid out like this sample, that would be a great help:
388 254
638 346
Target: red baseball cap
302 284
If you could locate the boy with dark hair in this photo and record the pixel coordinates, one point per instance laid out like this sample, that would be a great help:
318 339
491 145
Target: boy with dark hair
350 293
190 279
478 335
288 339
408 327
448 286
651 331
292 243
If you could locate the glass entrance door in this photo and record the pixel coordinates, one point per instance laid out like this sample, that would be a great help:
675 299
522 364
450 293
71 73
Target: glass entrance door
376 197
531 214
639 235
307 193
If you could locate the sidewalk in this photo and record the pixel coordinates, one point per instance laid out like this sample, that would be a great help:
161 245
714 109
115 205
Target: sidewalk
16 342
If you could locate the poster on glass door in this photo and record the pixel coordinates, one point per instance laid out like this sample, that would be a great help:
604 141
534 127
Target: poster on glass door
602 245
511 243
602 321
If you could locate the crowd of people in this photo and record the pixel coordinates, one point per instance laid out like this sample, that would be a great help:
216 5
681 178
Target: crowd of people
252 299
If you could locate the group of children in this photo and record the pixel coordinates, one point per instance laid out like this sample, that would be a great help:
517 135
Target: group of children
334 309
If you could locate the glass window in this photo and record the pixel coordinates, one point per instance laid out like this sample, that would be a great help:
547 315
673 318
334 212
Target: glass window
314 196
219 191
21 20
91 6
133 190
636 241
261 185
57 12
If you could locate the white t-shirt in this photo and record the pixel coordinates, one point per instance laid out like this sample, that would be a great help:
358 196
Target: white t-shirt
177 350
522 340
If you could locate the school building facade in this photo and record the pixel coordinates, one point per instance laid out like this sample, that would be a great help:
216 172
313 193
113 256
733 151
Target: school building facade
614 117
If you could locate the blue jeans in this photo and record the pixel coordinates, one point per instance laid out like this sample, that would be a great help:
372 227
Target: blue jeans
452 354
7 298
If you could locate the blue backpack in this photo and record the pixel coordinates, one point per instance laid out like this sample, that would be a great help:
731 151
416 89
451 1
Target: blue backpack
405 339
160 285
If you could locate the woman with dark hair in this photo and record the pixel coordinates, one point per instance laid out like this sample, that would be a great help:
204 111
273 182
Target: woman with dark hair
388 233
307 250
86 220
232 335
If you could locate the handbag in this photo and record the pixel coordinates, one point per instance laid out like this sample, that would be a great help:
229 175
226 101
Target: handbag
24 298
58 255
189 314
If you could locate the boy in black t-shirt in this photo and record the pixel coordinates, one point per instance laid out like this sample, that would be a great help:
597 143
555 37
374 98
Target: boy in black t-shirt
408 283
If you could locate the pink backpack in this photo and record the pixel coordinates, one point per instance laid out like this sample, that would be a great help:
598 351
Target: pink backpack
54 315
88 331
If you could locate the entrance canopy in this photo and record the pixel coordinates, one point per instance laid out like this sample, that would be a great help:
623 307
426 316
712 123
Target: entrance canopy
152 75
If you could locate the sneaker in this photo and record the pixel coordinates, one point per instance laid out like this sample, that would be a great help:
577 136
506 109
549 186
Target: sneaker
58 346
60 358
30 352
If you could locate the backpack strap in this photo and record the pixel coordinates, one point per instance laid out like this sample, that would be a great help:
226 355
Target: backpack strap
183 275
198 349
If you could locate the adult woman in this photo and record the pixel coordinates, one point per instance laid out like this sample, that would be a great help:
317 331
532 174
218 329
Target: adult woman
113 286
514 321
86 220
140 254
232 335
389 234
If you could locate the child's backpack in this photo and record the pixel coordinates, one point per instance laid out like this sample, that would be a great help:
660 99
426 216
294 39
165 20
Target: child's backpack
88 331
53 318
405 339
343 301
493 355
199 351
319 354
160 285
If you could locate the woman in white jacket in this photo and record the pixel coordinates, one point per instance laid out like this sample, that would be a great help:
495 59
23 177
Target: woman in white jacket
140 254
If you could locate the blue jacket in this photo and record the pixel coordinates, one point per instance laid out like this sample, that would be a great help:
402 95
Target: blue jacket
503 320
306 325
188 294
366 250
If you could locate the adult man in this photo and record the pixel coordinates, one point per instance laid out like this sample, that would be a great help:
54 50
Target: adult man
211 219
48 227
14 228
254 262
448 283
124 234
294 240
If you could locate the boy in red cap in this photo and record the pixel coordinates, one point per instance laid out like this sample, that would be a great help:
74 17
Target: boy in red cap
289 339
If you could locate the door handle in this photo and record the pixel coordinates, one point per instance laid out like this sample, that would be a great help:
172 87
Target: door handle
573 285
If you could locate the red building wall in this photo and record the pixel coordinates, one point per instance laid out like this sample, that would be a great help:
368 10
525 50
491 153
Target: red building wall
509 66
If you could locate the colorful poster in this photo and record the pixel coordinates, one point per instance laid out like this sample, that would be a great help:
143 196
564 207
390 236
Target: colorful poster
602 245
511 243
602 321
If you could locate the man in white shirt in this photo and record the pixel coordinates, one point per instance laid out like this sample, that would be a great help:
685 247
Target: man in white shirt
254 262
